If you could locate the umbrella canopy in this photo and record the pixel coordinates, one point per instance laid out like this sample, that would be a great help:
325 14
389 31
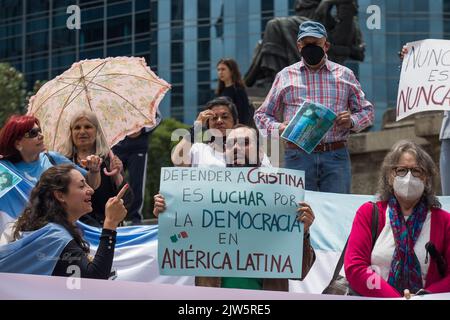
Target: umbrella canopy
123 92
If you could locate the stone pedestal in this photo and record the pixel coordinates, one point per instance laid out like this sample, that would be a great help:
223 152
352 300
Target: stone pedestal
367 150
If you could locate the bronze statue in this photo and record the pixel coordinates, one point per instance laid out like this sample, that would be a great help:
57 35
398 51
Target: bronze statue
278 48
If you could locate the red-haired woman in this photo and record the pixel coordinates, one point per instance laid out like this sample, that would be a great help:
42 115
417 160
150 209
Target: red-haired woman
230 84
22 148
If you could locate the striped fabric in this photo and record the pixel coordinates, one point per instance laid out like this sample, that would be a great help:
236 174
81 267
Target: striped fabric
333 85
405 270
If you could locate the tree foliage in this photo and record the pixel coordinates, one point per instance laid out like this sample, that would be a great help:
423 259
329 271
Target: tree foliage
160 147
12 92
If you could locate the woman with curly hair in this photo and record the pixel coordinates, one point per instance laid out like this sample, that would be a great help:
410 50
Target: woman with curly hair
46 240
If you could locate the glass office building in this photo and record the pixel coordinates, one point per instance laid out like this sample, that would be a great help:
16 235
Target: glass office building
182 40
402 21
35 39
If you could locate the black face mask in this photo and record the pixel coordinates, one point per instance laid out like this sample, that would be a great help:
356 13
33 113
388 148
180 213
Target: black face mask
312 54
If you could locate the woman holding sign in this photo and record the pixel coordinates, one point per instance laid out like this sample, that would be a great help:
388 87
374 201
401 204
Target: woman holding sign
47 240
247 137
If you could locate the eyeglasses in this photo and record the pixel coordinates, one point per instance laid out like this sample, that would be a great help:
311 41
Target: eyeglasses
403 171
33 133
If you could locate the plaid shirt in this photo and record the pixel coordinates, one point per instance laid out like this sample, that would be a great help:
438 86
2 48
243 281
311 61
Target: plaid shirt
333 85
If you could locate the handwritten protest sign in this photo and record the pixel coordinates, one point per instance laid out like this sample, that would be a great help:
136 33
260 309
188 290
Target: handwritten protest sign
237 222
424 81
8 180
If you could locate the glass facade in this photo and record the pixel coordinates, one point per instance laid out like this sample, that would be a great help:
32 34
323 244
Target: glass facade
182 40
35 39
402 21
204 91
177 57
267 13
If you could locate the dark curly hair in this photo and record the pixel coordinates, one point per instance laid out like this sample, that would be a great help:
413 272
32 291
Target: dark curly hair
44 208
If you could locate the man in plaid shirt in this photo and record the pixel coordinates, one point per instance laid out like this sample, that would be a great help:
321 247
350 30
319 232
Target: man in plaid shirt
316 79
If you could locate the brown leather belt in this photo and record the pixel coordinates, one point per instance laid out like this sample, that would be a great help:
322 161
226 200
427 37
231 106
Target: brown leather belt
321 147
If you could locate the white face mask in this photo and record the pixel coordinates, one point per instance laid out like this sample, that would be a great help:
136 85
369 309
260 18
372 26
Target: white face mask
408 187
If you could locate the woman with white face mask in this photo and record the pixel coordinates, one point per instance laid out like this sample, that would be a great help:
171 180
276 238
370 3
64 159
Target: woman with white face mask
412 244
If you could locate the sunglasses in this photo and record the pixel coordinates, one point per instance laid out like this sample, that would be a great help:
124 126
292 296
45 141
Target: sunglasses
33 133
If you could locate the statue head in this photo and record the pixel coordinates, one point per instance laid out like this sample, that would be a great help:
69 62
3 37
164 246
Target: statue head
312 43
305 4
306 8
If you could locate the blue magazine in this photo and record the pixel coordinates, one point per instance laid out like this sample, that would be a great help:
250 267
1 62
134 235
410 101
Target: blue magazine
309 125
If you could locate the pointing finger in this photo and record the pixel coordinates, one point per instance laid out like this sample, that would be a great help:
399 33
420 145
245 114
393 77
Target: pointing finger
122 191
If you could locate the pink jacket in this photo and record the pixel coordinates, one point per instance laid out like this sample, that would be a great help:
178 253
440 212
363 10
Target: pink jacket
359 249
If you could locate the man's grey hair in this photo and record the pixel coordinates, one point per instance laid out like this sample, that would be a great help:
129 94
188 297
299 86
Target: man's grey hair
424 161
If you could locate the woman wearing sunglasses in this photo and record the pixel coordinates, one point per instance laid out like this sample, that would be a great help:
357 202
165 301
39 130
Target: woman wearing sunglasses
410 223
22 148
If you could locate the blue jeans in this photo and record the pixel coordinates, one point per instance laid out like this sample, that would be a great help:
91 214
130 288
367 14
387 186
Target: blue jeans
328 171
444 166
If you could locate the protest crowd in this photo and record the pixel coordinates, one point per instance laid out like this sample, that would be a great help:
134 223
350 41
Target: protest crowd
259 215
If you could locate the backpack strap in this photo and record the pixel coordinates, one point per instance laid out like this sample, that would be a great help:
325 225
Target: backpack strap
374 228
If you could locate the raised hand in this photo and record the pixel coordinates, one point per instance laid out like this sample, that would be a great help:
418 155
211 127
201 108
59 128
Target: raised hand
205 116
115 210
344 119
92 163
305 215
402 53
115 165
160 204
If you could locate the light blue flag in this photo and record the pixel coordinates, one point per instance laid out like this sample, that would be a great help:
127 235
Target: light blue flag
37 252
126 236
233 222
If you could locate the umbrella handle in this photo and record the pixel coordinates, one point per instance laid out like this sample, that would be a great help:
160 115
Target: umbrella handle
110 174
115 171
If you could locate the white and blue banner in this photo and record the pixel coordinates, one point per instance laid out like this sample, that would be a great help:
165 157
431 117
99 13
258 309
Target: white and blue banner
137 247
233 222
